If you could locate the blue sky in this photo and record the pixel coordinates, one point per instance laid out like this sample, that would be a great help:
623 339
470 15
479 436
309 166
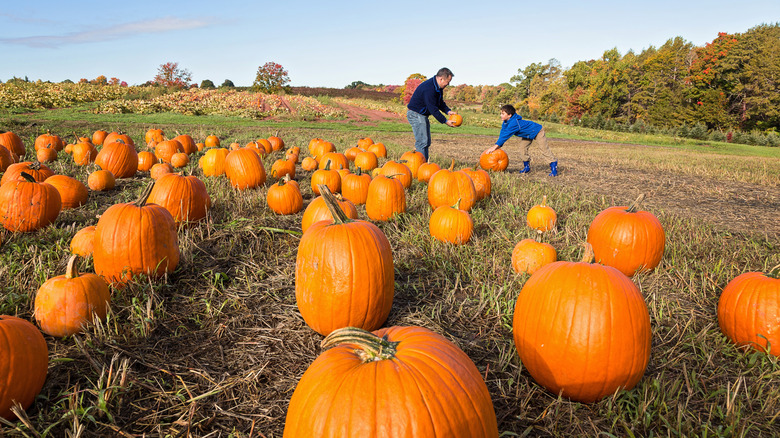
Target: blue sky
332 44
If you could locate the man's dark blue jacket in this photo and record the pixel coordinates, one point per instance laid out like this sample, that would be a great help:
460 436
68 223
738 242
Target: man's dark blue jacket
428 99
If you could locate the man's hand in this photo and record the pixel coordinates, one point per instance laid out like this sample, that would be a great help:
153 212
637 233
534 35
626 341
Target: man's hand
450 124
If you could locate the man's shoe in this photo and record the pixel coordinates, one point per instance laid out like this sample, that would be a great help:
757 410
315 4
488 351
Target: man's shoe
553 169
527 167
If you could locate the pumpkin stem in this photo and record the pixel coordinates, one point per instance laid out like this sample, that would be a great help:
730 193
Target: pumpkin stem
72 271
544 201
339 217
457 204
452 165
145 195
371 348
28 177
774 272
589 256
634 207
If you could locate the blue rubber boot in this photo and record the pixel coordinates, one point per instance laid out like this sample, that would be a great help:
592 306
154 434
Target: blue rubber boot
527 167
553 169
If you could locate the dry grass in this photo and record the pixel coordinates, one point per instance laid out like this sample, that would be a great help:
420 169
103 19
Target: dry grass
217 348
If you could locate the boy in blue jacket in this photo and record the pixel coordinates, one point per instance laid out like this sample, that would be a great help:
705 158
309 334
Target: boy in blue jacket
529 132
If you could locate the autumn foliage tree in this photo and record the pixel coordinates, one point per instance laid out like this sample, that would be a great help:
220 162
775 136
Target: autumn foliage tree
271 78
410 84
170 75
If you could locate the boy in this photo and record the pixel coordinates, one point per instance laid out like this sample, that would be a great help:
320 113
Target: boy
529 132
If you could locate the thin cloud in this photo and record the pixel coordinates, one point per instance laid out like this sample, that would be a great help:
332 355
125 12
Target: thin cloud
160 25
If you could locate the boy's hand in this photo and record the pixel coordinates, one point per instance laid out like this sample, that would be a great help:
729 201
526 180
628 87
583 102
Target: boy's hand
490 149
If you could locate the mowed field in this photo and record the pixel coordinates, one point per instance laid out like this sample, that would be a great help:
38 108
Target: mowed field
217 347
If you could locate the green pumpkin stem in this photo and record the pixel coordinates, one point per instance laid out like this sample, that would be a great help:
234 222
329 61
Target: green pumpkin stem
371 348
634 207
72 271
145 195
28 177
588 256
774 272
339 217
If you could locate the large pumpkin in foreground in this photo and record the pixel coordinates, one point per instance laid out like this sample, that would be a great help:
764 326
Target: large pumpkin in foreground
343 273
582 329
395 382
134 238
627 238
24 364
749 310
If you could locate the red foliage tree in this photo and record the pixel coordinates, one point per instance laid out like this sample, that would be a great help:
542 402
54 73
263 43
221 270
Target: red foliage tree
271 78
411 84
170 75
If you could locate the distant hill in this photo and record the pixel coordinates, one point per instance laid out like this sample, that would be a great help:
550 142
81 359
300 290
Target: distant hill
345 92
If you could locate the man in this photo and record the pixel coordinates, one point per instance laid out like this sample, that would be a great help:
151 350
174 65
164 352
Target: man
427 100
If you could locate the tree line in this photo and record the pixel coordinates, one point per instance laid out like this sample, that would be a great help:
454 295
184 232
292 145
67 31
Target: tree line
729 84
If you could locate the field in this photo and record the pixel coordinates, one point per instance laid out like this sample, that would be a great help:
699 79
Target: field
218 346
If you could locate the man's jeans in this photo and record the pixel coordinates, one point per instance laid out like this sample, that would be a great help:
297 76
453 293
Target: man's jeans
421 127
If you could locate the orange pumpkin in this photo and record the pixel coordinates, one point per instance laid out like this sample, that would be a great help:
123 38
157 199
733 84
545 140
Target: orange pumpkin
378 149
497 161
354 187
344 274
212 141
359 377
213 162
749 311
164 150
366 161
98 137
84 153
25 364
308 164
185 197
83 242
364 143
582 329
146 160
135 238
284 198
277 144
529 255
38 171
48 140
28 205
542 217
6 159
386 197
281 167
317 211
159 170
118 157
64 304
245 169
337 161
187 143
179 160
120 137
451 224
413 160
266 145
101 180
12 142
352 152
154 134
398 170
482 183
426 171
456 119
325 176
627 238
73 193
46 155
447 186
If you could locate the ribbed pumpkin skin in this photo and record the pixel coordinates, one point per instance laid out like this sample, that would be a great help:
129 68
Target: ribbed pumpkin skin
119 158
187 143
497 161
73 193
317 211
398 170
132 240
482 183
529 255
213 162
426 171
413 160
541 217
582 329
355 187
330 178
450 224
245 169
146 160
84 153
38 171
429 389
185 197
63 305
445 188
24 365
366 161
12 142
83 242
284 198
630 242
28 206
386 197
749 311
344 276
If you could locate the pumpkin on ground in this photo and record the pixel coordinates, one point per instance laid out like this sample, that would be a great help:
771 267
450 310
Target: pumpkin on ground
749 311
84 153
213 162
153 134
277 144
120 137
284 197
335 160
317 210
65 303
354 187
146 160
413 160
187 143
179 160
83 242
165 150
98 137
451 224
366 161
38 171
497 161
12 141
119 158
344 274
282 167
24 365
386 197
398 170
309 164
6 159
212 141
101 180
541 217
364 143
159 170
185 197
378 149
426 171
482 183
134 238
46 155
582 329
47 141
529 255
394 382
245 169
627 238
28 205
447 186
73 193
326 176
